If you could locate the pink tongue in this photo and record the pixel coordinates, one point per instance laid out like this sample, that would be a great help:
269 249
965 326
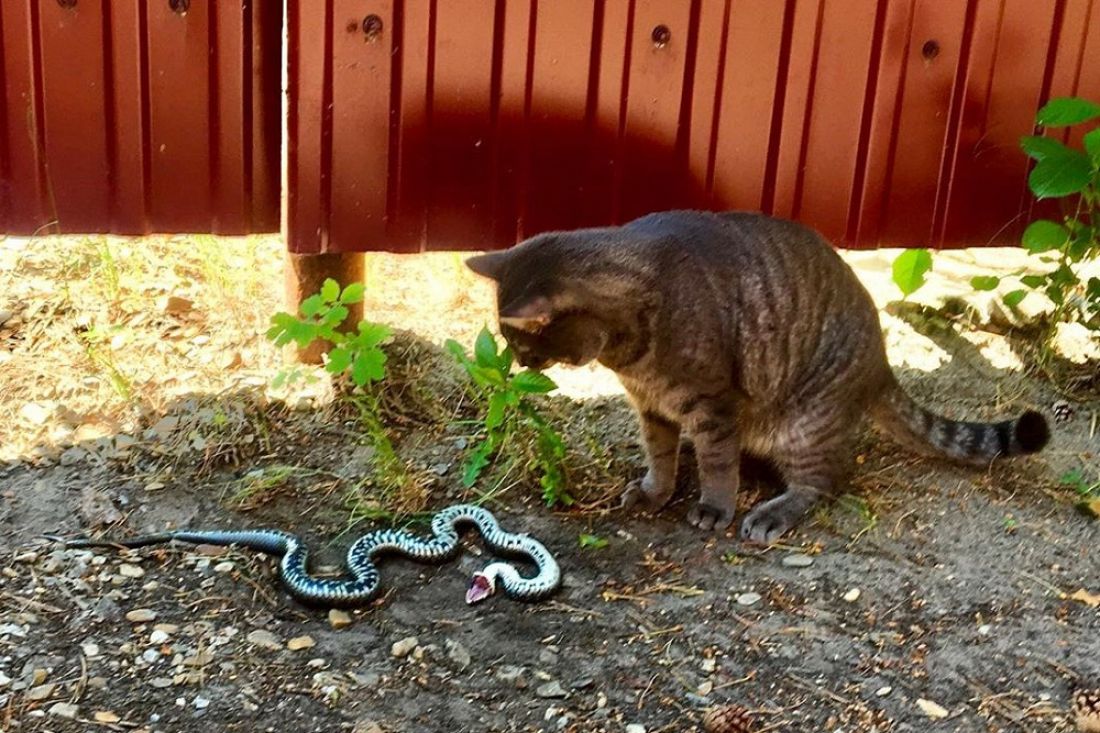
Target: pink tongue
478 591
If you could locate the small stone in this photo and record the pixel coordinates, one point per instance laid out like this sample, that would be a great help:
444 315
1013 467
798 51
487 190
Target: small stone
5 316
41 692
709 664
127 570
300 642
547 658
105 716
749 599
64 710
635 728
73 456
511 675
552 689
34 413
39 675
798 560
160 682
4 680
931 709
852 596
317 663
201 703
90 650
338 619
167 628
158 637
141 615
402 648
151 656
458 654
884 691
705 688
264 639
224 567
984 629
367 726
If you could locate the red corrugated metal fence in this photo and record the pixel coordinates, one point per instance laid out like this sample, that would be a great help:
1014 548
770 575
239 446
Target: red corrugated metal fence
131 116
466 124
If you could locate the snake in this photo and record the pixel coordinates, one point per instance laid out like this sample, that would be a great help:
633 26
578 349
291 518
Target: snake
365 581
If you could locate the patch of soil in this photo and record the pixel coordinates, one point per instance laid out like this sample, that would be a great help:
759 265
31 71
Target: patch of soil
927 591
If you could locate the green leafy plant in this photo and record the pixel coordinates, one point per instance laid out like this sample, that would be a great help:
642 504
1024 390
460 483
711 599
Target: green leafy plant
358 351
1086 489
510 415
1073 177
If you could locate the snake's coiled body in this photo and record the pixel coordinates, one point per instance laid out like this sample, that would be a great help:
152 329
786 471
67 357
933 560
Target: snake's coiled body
365 580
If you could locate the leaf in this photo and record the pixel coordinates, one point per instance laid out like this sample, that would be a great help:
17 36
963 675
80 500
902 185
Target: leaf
1090 508
485 349
1065 111
1087 598
1044 235
532 382
455 349
1092 145
1038 148
910 268
985 282
1013 299
279 380
1034 281
352 293
312 305
495 415
368 366
1060 175
476 463
485 376
591 541
330 290
339 359
372 334
334 316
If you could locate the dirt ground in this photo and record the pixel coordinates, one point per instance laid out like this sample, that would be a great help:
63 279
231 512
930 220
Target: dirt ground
136 396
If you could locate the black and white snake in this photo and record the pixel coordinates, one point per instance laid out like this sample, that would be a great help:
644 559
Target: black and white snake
364 584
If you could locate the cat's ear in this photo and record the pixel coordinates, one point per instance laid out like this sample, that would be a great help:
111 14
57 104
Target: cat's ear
488 265
529 314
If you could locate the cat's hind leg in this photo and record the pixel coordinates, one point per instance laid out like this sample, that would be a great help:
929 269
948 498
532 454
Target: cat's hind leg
811 456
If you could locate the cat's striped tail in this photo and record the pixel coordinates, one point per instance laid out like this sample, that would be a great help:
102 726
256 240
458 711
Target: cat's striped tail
969 442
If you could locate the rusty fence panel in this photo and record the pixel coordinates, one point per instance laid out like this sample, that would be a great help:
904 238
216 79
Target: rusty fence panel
432 124
134 116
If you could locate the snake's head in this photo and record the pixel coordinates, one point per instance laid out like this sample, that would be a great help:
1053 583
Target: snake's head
481 587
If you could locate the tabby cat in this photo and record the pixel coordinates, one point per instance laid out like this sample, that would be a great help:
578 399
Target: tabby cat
748 333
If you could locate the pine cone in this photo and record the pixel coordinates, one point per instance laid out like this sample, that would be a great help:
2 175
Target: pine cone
1086 710
728 719
1062 410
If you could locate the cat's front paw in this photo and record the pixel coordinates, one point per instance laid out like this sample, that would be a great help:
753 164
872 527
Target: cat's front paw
708 516
770 520
644 494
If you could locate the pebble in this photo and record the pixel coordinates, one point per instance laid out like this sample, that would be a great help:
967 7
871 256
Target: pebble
550 689
201 703
127 570
64 710
402 648
512 675
5 316
932 709
224 567
884 691
798 560
264 639
38 676
852 596
90 650
635 728
4 680
317 663
158 637
141 615
160 682
300 642
709 665
151 656
749 599
167 628
984 629
458 654
105 716
41 692
338 619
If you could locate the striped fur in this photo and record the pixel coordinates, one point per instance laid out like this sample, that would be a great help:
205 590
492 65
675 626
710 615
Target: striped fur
748 334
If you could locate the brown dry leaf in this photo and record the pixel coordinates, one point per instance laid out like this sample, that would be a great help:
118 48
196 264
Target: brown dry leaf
106 716
1090 508
1087 598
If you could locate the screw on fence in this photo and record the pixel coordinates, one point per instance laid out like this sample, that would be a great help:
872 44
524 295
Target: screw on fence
372 27
67 3
661 36
930 50
180 6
